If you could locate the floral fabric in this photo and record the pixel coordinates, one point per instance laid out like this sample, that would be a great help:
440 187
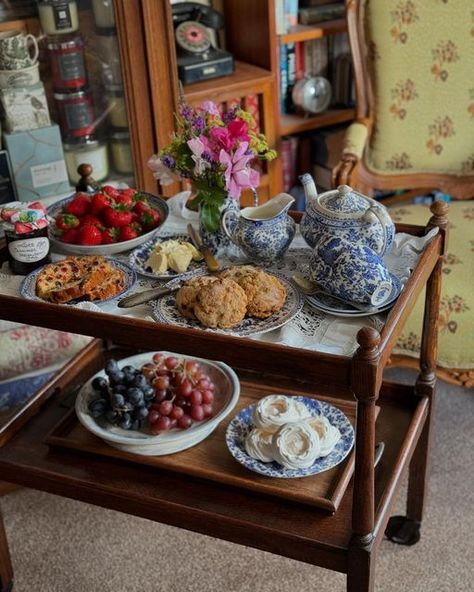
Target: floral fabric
456 319
421 63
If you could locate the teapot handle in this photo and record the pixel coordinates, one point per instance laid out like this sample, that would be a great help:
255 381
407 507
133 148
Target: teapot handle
224 224
385 221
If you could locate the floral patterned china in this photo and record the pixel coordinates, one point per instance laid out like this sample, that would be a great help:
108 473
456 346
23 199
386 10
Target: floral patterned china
242 424
165 311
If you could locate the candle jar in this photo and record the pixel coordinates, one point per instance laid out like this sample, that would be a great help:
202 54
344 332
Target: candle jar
66 57
86 151
103 13
27 251
108 53
116 106
76 114
121 152
58 16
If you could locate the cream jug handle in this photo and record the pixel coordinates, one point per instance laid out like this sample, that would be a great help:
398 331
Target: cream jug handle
383 217
224 224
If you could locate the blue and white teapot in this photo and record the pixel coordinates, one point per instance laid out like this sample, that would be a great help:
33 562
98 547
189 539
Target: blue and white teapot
346 214
264 232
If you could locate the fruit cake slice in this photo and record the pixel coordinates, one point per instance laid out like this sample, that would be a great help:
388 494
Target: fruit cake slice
66 274
113 285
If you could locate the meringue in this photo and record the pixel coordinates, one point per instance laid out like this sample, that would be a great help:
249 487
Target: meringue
296 445
258 444
328 434
276 410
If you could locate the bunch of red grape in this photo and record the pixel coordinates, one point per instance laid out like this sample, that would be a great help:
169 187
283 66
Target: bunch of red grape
183 392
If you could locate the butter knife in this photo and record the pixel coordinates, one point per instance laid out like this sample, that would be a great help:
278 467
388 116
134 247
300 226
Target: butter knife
146 295
211 261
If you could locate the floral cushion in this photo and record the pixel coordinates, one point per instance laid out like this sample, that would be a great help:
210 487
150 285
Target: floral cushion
456 320
421 63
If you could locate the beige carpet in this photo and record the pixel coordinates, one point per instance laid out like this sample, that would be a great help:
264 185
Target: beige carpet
60 545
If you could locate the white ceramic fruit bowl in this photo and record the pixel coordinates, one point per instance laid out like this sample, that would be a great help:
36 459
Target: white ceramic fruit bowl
156 202
227 392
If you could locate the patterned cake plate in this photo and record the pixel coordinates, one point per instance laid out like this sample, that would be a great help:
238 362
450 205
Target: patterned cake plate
139 256
165 311
241 425
28 285
325 303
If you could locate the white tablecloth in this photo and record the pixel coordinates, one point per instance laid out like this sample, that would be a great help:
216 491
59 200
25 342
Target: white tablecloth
309 329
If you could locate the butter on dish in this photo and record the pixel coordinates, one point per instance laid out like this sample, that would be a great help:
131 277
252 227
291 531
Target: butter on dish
172 254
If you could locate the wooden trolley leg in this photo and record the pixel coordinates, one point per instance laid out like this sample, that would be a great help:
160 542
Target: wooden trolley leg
6 570
361 569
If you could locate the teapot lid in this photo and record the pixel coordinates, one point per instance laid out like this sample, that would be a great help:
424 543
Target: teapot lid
343 202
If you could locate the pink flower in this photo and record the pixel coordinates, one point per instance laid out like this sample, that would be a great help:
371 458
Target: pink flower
238 130
209 107
238 174
220 139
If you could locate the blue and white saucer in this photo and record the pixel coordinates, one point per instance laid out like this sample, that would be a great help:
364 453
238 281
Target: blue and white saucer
241 425
28 285
139 256
165 311
325 303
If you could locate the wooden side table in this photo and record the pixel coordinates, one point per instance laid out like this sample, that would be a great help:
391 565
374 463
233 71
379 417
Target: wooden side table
345 541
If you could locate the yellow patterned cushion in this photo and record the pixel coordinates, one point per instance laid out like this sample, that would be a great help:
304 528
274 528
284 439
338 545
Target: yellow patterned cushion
456 322
421 58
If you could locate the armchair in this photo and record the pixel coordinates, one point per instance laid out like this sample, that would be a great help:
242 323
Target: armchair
414 129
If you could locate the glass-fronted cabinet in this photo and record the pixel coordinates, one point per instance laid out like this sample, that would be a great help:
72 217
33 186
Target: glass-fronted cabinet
74 88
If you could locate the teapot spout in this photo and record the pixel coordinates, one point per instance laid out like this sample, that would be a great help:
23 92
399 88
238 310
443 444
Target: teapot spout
309 187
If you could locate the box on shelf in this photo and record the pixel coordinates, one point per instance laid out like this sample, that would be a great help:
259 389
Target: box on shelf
37 161
25 108
7 187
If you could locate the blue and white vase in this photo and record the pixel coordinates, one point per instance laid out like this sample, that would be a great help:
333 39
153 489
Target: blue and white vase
217 240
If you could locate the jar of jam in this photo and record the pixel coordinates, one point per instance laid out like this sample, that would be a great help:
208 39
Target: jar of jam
86 151
27 251
66 56
121 152
76 113
58 16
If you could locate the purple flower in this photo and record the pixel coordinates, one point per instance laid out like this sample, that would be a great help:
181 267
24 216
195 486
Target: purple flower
209 107
229 115
186 111
168 161
238 174
199 124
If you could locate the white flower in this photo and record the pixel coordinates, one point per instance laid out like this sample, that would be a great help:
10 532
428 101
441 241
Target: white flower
258 444
276 410
296 445
160 171
197 148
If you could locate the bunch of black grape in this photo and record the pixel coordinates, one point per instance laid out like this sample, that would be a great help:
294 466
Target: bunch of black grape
124 399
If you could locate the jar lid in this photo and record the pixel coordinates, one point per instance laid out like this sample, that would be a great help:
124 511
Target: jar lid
115 90
117 134
76 94
81 143
106 31
61 42
52 2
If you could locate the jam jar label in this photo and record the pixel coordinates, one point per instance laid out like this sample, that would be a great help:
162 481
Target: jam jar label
71 66
62 16
29 250
79 115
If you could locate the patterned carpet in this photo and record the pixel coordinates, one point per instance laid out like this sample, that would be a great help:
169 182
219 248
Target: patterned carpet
60 545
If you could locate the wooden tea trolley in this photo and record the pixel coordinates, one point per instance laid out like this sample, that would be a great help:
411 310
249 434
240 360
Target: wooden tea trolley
217 496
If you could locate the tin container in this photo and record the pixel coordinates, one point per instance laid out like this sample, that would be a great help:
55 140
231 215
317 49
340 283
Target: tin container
66 57
76 114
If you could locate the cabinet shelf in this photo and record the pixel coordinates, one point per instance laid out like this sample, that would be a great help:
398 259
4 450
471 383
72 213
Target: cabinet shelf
293 124
245 77
316 31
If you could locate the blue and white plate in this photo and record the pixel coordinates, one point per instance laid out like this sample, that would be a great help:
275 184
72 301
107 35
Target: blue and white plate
337 308
28 285
165 311
241 425
139 256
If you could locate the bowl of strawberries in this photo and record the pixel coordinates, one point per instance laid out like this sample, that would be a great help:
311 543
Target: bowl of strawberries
106 222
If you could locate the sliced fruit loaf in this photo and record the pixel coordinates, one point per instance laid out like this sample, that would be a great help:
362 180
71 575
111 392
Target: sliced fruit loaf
56 276
114 284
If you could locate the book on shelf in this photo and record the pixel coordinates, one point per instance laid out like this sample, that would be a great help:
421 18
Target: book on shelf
286 15
317 14
288 153
291 13
283 76
291 67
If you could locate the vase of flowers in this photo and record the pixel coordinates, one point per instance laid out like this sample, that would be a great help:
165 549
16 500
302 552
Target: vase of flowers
214 152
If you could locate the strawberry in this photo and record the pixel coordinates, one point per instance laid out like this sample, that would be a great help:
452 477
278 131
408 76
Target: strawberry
124 198
117 215
67 221
89 235
127 233
110 235
110 191
90 219
141 206
79 206
99 202
150 219
70 236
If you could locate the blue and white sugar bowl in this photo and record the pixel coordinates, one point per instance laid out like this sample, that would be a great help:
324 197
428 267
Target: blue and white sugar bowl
348 214
351 271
